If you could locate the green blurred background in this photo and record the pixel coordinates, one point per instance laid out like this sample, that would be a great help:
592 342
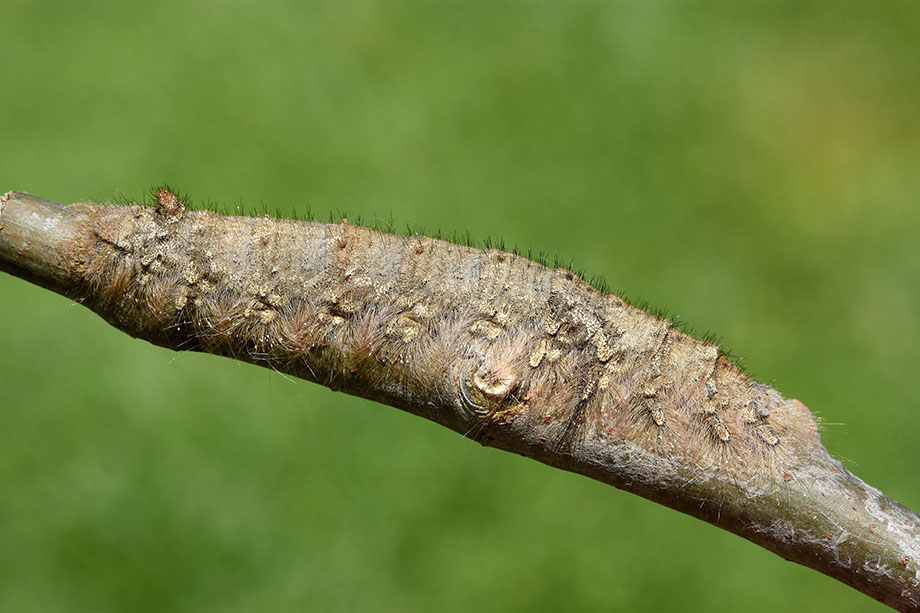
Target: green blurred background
752 167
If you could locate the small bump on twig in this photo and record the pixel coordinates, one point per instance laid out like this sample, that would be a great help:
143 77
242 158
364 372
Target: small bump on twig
169 205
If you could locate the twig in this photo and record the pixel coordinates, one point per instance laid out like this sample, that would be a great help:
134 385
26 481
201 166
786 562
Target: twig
492 345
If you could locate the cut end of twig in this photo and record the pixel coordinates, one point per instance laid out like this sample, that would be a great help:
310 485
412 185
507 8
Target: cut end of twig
3 200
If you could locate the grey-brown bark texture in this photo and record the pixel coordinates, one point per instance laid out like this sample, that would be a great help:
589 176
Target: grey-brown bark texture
499 348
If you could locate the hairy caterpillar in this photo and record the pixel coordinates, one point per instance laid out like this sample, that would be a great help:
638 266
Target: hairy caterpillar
497 347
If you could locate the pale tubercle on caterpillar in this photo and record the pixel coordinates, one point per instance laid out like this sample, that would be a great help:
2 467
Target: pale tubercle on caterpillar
490 344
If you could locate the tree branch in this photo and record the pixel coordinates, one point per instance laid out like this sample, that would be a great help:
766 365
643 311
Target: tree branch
499 348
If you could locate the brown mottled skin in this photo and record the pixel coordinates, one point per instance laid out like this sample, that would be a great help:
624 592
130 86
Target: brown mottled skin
497 347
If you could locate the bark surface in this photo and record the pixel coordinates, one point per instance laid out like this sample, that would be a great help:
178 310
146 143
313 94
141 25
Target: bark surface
497 347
